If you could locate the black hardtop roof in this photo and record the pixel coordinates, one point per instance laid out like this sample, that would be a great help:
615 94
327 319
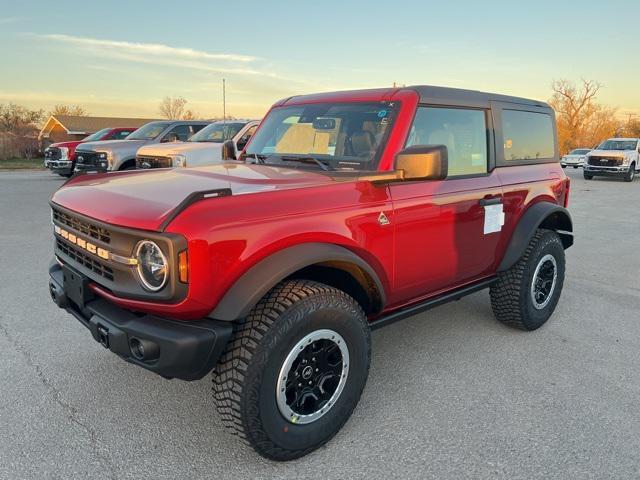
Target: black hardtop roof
455 95
427 93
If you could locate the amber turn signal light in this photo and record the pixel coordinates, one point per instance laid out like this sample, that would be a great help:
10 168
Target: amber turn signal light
183 266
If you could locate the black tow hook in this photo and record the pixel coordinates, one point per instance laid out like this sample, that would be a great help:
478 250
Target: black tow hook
103 336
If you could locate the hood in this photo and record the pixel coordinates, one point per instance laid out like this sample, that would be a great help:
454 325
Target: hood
608 153
143 199
178 148
196 153
72 144
113 145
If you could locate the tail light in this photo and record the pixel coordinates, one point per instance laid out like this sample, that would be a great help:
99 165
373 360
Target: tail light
566 192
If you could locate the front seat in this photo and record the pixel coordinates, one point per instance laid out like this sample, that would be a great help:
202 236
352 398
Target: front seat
362 143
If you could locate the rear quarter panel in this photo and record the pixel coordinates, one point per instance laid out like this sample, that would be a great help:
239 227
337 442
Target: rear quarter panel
526 185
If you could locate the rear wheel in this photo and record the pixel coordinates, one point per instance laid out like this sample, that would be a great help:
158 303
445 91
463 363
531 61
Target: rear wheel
294 370
526 295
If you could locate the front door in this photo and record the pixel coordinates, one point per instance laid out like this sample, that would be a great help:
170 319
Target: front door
447 232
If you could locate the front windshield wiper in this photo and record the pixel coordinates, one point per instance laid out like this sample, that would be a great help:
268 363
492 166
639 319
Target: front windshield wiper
256 156
309 159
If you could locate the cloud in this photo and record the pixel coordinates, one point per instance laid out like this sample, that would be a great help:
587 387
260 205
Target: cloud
155 49
5 20
163 55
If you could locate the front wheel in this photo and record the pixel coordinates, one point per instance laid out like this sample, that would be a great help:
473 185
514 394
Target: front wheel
294 370
631 173
587 176
526 295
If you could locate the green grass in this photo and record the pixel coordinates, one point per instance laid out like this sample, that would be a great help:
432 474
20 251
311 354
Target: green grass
22 163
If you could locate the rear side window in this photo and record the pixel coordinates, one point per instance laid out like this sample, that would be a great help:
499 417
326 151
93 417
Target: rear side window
462 131
527 135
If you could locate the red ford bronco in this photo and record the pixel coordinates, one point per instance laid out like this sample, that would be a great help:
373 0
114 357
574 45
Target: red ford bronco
347 211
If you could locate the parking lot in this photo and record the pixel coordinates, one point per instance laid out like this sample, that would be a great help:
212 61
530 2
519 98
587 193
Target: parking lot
452 393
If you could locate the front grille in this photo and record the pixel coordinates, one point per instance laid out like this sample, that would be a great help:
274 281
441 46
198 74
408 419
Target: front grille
148 161
82 226
87 158
52 153
604 161
84 259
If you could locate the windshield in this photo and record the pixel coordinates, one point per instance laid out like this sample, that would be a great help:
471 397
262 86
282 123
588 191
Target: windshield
217 132
331 136
618 145
579 151
96 136
149 131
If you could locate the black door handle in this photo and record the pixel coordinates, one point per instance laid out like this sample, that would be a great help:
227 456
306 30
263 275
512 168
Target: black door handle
490 201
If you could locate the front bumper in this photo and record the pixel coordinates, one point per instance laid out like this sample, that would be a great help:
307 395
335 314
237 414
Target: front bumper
565 163
84 168
618 170
61 167
170 348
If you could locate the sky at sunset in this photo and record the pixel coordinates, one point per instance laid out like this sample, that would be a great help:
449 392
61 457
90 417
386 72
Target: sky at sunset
120 58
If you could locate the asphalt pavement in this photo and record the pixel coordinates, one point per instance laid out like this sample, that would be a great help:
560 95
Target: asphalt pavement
452 393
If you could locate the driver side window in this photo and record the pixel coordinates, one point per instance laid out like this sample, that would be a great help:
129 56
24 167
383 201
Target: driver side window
182 132
462 131
242 142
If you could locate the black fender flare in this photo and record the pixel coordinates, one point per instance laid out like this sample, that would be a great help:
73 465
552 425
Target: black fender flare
540 215
252 285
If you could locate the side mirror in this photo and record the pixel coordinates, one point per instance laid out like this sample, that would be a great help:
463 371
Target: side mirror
228 150
423 162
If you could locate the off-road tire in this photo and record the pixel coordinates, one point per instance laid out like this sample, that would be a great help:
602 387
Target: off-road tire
631 173
587 176
511 298
244 381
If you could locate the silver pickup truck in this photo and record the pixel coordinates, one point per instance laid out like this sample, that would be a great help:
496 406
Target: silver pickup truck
121 154
204 148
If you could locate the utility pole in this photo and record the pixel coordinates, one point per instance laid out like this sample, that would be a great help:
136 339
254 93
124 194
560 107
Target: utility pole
224 101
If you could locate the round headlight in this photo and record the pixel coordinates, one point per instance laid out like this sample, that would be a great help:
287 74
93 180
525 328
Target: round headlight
153 268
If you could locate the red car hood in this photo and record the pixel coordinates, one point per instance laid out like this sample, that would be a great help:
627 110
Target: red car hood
75 143
144 199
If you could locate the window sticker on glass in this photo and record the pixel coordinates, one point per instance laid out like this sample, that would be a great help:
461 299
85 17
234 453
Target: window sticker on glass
382 113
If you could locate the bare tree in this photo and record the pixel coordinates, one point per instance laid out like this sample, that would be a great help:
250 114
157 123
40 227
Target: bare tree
18 131
172 107
632 128
62 109
18 120
190 115
582 122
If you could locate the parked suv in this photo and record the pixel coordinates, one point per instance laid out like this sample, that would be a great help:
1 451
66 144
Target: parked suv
614 157
60 157
121 154
204 148
347 211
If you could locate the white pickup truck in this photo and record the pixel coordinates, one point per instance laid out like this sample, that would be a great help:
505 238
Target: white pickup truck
614 157
203 148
